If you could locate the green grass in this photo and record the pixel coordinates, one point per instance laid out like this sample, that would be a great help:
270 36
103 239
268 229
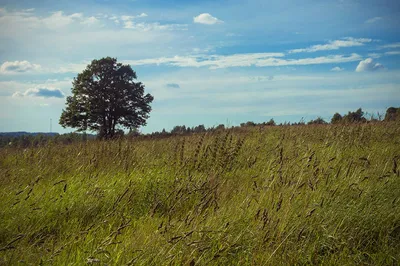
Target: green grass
261 196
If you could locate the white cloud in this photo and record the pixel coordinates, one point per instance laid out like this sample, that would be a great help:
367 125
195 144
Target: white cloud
28 32
337 69
28 10
207 19
333 45
153 26
129 23
393 53
212 61
8 88
127 18
90 21
59 20
374 55
40 92
368 65
392 45
373 20
18 22
243 60
76 16
71 68
18 67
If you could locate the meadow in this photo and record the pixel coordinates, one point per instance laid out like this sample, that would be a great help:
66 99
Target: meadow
272 195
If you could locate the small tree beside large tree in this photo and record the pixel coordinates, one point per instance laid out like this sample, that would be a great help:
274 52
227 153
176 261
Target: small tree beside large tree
105 98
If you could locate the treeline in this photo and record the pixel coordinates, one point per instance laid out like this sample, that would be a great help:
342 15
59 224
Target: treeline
358 116
40 139
34 140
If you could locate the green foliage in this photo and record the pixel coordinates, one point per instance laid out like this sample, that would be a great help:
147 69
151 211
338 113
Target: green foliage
271 122
350 117
326 195
318 121
354 117
220 127
38 140
105 96
392 114
248 124
179 130
200 129
337 118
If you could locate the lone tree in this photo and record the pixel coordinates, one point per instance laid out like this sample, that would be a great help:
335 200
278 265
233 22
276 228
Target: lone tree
106 98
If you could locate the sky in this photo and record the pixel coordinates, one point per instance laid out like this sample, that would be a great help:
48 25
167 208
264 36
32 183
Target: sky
205 62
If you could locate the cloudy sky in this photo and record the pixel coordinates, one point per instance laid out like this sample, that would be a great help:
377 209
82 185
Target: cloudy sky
205 62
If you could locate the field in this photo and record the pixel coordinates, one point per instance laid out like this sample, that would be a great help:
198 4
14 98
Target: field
283 195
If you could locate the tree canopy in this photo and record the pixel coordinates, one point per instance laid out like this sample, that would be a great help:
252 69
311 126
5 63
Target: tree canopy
105 98
318 121
337 118
392 114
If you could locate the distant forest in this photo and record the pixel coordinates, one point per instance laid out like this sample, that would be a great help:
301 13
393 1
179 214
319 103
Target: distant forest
25 139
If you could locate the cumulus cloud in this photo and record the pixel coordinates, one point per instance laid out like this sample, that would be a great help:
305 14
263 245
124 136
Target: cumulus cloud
373 20
333 45
206 18
40 92
243 60
337 69
90 21
142 15
368 65
59 20
18 67
76 16
126 18
18 21
173 85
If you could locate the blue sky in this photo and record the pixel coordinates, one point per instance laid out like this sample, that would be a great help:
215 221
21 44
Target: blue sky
205 62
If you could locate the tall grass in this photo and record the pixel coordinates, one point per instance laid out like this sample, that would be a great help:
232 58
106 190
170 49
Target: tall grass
261 196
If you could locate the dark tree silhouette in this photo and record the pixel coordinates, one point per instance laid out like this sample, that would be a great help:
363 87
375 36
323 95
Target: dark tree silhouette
318 121
199 129
179 130
355 117
271 122
392 114
104 97
337 118
220 127
248 124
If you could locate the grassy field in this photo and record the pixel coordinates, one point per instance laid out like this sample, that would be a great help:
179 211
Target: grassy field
260 196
